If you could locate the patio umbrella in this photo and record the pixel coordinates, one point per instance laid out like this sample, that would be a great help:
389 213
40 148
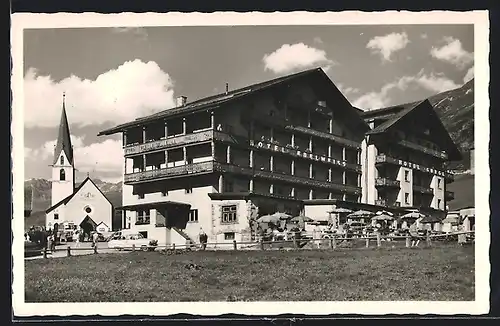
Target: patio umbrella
430 219
282 216
340 210
359 214
413 215
301 219
384 213
382 217
268 219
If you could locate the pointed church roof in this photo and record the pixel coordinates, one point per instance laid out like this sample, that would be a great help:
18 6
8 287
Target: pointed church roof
63 137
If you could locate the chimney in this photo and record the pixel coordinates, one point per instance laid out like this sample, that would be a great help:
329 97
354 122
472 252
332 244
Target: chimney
227 87
180 101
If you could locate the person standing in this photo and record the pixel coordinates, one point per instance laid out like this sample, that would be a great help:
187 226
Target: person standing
203 239
95 237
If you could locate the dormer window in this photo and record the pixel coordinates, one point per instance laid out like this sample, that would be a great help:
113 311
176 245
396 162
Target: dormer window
62 160
62 175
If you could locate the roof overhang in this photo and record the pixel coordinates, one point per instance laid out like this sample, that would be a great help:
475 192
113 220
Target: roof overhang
152 205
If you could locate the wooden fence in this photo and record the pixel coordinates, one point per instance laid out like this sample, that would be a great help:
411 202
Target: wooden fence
333 242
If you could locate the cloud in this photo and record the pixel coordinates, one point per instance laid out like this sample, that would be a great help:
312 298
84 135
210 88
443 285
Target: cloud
293 57
423 36
388 44
435 83
139 31
105 158
469 75
131 90
453 52
347 90
318 40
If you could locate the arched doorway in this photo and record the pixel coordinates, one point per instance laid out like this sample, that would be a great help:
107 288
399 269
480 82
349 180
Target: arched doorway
88 225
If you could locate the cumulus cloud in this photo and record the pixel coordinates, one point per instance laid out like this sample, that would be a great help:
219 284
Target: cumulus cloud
469 75
454 53
293 57
318 40
423 36
131 90
386 45
435 83
347 90
105 158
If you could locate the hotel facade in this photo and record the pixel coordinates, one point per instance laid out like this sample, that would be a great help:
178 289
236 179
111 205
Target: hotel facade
293 144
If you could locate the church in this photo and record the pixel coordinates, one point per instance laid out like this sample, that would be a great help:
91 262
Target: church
84 207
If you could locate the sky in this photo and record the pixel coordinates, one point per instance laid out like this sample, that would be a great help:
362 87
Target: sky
114 75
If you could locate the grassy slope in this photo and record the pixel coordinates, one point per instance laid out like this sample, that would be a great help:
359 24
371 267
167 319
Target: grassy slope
444 273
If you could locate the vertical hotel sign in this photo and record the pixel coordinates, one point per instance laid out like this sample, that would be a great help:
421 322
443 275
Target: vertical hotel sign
297 153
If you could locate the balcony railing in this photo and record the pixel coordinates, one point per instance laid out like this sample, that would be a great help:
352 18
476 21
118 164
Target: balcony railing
386 203
180 140
277 148
383 158
423 189
449 195
324 135
229 168
211 166
176 171
423 149
384 182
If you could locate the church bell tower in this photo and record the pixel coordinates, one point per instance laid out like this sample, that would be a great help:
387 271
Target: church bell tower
63 171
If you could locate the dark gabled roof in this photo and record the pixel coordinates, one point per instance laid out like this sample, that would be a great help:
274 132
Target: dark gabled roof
63 138
67 199
387 111
217 100
399 113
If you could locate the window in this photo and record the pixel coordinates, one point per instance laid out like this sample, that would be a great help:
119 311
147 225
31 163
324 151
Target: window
164 193
140 195
439 203
407 198
62 175
189 190
229 214
142 217
439 183
407 176
56 216
193 215
62 160
144 234
229 236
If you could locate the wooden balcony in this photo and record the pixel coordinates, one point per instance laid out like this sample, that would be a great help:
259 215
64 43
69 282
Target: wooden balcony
385 159
275 176
385 182
423 190
171 172
312 132
423 149
181 140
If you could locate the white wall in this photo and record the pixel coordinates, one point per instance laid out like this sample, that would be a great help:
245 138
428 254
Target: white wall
406 187
62 189
438 192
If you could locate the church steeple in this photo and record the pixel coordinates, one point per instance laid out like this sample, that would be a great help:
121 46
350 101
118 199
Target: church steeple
63 138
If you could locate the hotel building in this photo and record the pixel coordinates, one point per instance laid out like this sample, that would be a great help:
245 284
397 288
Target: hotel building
221 162
404 157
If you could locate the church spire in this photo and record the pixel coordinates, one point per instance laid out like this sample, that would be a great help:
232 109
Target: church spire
64 138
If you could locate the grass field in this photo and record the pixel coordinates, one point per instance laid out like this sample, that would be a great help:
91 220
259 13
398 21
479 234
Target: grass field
442 273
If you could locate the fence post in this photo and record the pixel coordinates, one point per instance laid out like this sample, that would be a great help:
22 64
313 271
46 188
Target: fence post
173 247
334 242
133 247
45 252
367 242
235 246
429 239
68 251
261 244
95 248
379 240
408 241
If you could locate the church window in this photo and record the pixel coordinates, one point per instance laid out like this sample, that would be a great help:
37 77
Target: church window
56 217
62 175
62 160
88 210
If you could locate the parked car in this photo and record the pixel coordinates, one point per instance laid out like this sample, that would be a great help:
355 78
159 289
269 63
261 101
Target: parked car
125 242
